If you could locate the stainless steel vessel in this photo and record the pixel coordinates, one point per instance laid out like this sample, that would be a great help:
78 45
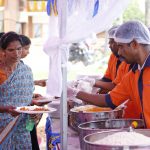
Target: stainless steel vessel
76 118
104 125
91 138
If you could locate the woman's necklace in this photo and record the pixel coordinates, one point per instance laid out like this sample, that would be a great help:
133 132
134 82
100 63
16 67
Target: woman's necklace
8 71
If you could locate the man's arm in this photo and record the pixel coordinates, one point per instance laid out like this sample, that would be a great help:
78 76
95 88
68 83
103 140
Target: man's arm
115 97
104 85
94 99
40 82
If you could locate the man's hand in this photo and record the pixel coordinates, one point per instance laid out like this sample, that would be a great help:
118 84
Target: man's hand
102 91
89 80
84 86
72 83
71 92
36 95
35 101
40 82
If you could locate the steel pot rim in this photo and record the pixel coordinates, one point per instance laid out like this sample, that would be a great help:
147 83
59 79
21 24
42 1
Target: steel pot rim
110 146
104 120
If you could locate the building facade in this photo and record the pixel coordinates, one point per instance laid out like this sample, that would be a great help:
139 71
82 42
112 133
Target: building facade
27 17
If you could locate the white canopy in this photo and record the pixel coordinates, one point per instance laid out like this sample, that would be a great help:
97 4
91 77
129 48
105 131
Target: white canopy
80 24
76 20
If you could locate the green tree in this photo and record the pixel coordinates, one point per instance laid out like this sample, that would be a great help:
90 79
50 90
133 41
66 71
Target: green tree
133 12
147 12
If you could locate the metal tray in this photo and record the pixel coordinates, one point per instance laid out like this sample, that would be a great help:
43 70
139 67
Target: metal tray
104 125
76 118
91 138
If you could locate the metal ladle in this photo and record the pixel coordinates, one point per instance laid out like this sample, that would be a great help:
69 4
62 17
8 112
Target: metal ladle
122 105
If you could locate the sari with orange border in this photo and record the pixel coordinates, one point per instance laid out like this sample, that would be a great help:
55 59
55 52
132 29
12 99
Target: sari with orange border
16 91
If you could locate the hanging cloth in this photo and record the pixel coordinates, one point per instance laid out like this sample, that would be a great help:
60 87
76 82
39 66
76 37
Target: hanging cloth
96 7
52 7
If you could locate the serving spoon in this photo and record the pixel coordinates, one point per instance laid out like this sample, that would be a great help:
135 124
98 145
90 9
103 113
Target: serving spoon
122 105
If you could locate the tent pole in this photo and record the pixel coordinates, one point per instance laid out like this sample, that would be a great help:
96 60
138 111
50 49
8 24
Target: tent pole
62 15
63 108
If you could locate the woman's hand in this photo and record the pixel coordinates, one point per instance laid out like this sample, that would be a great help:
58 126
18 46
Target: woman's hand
11 110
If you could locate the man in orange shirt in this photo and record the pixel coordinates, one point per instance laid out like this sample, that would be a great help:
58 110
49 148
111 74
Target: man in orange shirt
133 39
130 109
113 65
117 68
105 83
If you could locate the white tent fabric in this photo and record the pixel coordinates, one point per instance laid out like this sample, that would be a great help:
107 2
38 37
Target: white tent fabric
80 25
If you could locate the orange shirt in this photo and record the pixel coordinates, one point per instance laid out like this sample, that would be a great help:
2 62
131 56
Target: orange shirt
115 74
130 110
3 76
123 69
134 86
112 68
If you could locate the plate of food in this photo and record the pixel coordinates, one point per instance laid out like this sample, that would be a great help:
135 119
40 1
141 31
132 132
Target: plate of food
35 109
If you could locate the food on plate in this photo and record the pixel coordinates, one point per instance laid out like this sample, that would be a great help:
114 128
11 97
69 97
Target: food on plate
40 109
24 109
34 109
91 108
98 109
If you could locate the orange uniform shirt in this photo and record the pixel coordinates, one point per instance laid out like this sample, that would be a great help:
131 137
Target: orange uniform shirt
134 86
130 110
113 65
123 69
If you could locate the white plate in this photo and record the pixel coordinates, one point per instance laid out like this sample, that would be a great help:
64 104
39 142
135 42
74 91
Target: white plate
46 99
32 111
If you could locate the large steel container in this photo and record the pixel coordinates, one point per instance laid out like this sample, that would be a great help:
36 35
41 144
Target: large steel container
78 117
104 125
91 138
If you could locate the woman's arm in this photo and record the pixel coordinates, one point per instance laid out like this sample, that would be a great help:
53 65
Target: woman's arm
9 109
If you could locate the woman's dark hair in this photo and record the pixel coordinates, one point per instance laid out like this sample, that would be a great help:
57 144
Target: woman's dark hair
9 37
25 40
